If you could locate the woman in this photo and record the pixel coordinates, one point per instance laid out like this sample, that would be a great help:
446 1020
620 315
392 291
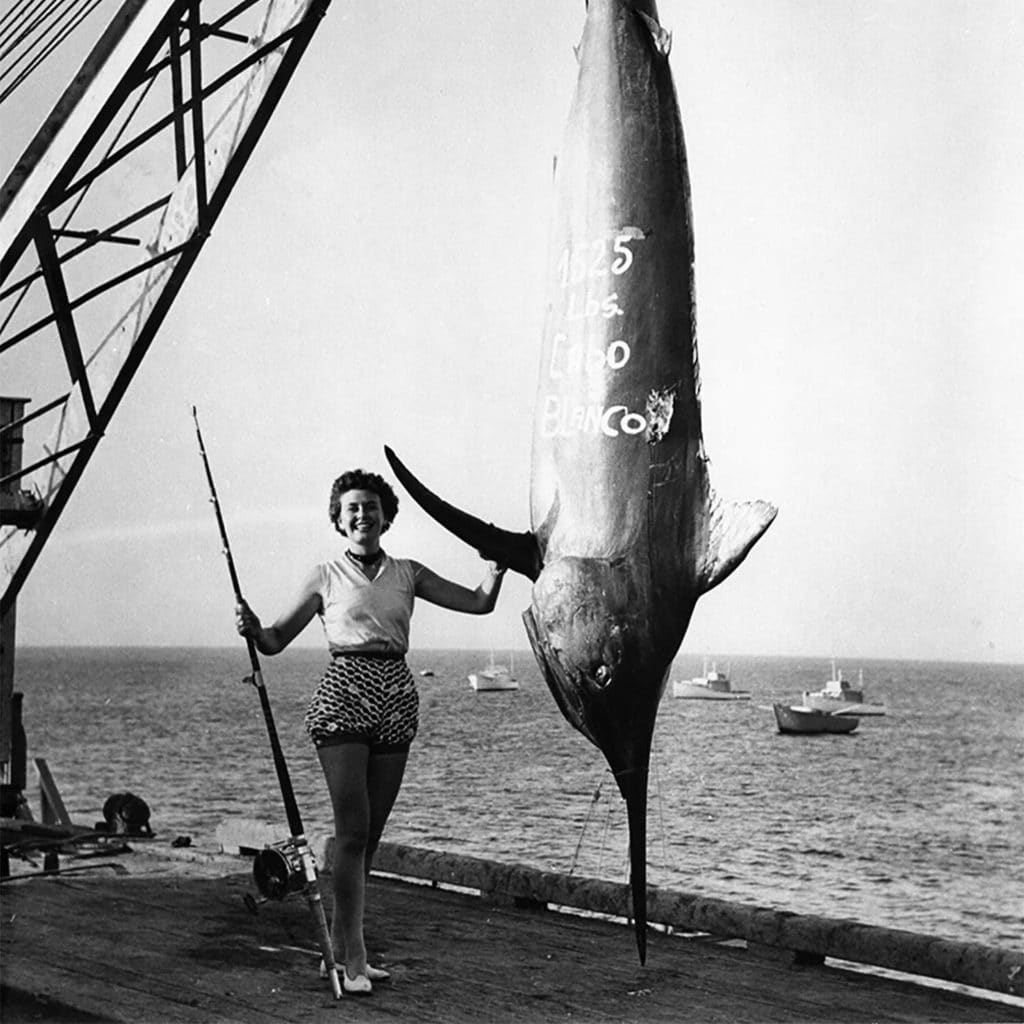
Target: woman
364 713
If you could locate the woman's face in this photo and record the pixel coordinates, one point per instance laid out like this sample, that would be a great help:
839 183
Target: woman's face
361 518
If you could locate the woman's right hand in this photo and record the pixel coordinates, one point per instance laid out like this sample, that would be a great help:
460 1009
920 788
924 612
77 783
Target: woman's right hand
246 621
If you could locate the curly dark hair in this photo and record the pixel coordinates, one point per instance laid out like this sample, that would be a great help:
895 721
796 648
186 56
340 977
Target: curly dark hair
361 480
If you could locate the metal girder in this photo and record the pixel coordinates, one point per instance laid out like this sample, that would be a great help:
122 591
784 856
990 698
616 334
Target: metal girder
103 217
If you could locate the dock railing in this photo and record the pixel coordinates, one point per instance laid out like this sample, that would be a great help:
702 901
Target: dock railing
807 937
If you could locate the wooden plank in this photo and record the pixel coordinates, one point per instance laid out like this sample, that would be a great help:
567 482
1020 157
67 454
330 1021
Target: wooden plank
51 803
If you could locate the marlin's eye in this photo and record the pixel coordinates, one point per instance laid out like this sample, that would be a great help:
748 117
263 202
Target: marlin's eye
603 676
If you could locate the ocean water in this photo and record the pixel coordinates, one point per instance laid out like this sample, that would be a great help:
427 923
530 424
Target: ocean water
914 821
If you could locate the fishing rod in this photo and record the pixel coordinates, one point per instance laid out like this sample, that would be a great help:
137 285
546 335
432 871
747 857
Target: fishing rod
298 844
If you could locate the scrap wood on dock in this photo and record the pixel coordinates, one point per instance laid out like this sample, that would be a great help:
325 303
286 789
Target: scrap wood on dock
175 942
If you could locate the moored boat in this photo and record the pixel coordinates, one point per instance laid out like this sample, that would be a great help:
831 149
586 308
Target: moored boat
494 677
713 685
796 719
840 696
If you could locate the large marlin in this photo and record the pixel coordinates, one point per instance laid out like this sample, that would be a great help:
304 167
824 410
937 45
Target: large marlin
627 532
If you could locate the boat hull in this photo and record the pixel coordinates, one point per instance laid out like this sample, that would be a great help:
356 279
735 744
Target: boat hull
795 720
480 681
698 691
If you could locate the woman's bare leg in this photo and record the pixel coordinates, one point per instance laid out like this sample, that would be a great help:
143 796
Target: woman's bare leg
384 779
345 768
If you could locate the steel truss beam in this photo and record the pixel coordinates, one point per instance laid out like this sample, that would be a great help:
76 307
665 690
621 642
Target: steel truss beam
74 287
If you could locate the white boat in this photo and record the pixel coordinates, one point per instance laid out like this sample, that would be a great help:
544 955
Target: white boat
794 719
841 697
713 685
495 677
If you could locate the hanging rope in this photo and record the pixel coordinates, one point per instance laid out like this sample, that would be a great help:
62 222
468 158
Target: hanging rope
604 839
655 760
586 822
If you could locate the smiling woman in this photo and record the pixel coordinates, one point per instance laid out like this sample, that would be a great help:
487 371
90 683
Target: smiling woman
365 711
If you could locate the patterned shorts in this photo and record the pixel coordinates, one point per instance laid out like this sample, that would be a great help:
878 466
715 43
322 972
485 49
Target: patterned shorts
365 698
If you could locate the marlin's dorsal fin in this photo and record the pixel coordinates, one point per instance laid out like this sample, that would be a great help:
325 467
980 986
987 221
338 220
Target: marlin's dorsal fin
519 551
733 529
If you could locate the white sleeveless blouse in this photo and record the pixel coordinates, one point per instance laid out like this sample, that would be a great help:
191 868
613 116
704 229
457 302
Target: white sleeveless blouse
367 615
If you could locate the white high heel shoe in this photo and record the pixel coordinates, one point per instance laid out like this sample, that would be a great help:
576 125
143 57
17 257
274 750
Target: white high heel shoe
358 986
372 974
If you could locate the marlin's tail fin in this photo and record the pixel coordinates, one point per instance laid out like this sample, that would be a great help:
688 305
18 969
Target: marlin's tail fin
518 551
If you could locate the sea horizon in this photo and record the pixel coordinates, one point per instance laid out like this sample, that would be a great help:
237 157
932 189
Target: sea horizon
698 656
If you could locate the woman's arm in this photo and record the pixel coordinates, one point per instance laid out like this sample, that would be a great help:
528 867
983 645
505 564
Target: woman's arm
288 625
437 590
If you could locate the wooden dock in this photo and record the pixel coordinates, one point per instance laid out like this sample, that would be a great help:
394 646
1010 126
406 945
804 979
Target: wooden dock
143 938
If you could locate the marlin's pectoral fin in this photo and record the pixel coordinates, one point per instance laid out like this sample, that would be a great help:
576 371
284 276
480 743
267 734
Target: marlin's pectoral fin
734 528
519 551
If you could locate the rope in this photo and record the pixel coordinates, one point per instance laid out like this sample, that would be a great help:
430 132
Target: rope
29 24
76 19
35 21
604 839
26 13
655 760
6 16
583 830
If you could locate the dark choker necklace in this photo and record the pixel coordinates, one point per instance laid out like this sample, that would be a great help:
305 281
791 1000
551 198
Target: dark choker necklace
364 559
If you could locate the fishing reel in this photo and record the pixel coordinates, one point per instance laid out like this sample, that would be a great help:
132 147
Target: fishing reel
278 872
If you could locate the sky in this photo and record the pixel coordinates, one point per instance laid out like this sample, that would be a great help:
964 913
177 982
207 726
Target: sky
377 278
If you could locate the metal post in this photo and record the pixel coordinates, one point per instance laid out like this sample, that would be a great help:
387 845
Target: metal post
11 412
